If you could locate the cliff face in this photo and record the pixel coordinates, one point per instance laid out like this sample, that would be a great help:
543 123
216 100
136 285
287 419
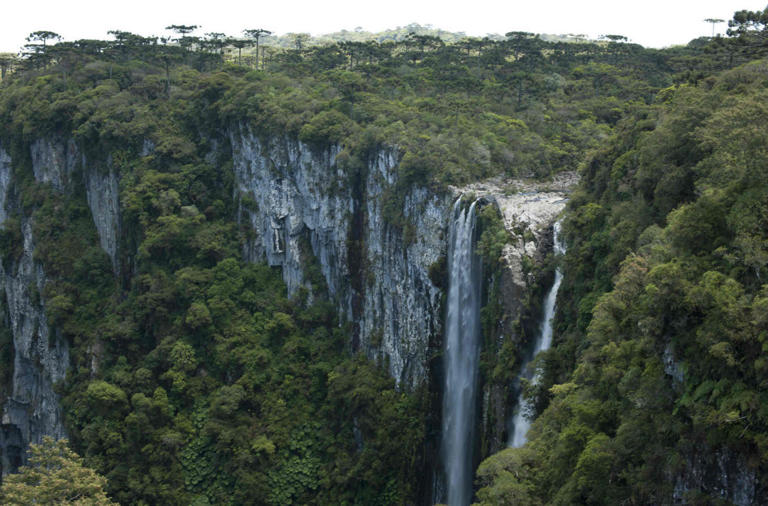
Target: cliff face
295 198
5 181
721 473
59 162
102 192
300 205
528 211
325 227
41 357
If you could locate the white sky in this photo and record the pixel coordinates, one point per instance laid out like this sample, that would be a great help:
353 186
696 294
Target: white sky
653 23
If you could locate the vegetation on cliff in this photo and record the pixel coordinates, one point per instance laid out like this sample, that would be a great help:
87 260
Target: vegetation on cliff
660 369
196 379
54 475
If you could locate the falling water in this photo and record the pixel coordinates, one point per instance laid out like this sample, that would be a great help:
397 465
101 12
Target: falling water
522 421
462 330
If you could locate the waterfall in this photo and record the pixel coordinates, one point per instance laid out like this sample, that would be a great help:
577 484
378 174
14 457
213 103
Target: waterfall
522 421
462 331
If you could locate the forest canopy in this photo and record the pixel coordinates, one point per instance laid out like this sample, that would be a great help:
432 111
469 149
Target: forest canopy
215 386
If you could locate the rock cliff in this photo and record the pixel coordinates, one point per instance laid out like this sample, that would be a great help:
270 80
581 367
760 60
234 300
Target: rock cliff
292 194
528 210
306 214
31 409
59 161
41 357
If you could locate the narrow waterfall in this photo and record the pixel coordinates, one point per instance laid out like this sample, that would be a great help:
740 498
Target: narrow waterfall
462 335
522 421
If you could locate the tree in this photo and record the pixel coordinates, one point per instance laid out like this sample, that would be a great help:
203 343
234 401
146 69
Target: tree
239 44
184 40
167 56
522 43
217 41
42 36
182 29
129 44
748 35
744 22
300 40
7 62
714 21
55 475
256 34
615 38
506 478
424 43
36 53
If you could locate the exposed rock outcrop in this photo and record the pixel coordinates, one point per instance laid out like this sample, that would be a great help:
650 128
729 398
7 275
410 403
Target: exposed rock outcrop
103 195
54 161
528 210
291 193
722 473
58 160
41 357
5 182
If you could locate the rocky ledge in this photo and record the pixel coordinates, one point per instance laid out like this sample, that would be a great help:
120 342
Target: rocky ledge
529 209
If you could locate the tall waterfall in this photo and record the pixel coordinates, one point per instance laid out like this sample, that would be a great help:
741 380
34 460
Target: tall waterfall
462 331
522 421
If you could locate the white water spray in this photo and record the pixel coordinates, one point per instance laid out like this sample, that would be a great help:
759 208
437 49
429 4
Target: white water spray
522 420
462 335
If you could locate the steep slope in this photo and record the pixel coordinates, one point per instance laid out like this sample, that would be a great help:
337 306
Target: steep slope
655 392
151 190
31 408
299 201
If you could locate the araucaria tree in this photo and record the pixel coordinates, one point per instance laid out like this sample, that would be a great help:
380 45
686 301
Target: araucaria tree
256 34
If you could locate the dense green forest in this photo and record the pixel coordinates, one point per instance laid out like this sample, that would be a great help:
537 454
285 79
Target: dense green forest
661 356
213 386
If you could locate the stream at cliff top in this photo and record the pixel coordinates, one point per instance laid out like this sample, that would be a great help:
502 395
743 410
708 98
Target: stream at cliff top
522 419
462 334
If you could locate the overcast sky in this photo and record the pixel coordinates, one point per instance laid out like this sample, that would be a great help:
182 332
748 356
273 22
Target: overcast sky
654 23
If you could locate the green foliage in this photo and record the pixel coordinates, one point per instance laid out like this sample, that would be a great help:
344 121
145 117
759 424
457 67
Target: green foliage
661 350
457 112
505 479
11 240
493 236
54 475
196 380
327 127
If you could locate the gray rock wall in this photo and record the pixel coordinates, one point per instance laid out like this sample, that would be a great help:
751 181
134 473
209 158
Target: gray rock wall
298 193
721 473
290 192
41 357
58 160
5 182
54 161
294 194
103 192
401 306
